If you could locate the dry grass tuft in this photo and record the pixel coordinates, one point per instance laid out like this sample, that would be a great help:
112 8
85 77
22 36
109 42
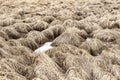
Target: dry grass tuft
23 27
109 21
48 33
56 22
44 66
53 31
76 73
18 50
28 42
48 19
11 76
115 24
70 36
111 55
40 25
61 54
33 34
11 32
82 33
106 35
88 26
20 53
4 35
68 23
3 43
93 46
40 38
99 74
14 66
4 54
64 14
7 22
13 42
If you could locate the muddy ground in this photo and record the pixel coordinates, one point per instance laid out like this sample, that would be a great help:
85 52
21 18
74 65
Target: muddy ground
84 38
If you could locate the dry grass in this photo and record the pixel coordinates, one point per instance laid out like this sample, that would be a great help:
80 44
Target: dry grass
7 22
40 25
22 27
11 32
44 70
29 42
53 31
4 35
84 35
106 35
70 36
93 46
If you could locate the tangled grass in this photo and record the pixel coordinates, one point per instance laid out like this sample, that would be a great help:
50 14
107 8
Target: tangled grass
85 37
70 36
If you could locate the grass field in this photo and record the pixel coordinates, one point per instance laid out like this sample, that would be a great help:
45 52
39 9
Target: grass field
59 39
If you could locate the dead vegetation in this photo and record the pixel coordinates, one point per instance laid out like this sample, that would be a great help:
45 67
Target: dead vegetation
106 35
85 37
70 36
93 46
40 25
23 27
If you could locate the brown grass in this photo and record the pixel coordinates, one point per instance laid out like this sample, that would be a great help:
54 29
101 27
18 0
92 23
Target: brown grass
41 38
7 22
11 32
55 22
13 76
106 35
115 24
13 42
22 27
29 42
43 68
4 35
76 73
84 35
63 53
70 36
40 25
93 46
48 19
53 31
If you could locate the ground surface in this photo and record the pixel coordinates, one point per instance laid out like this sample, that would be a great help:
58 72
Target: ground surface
85 36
